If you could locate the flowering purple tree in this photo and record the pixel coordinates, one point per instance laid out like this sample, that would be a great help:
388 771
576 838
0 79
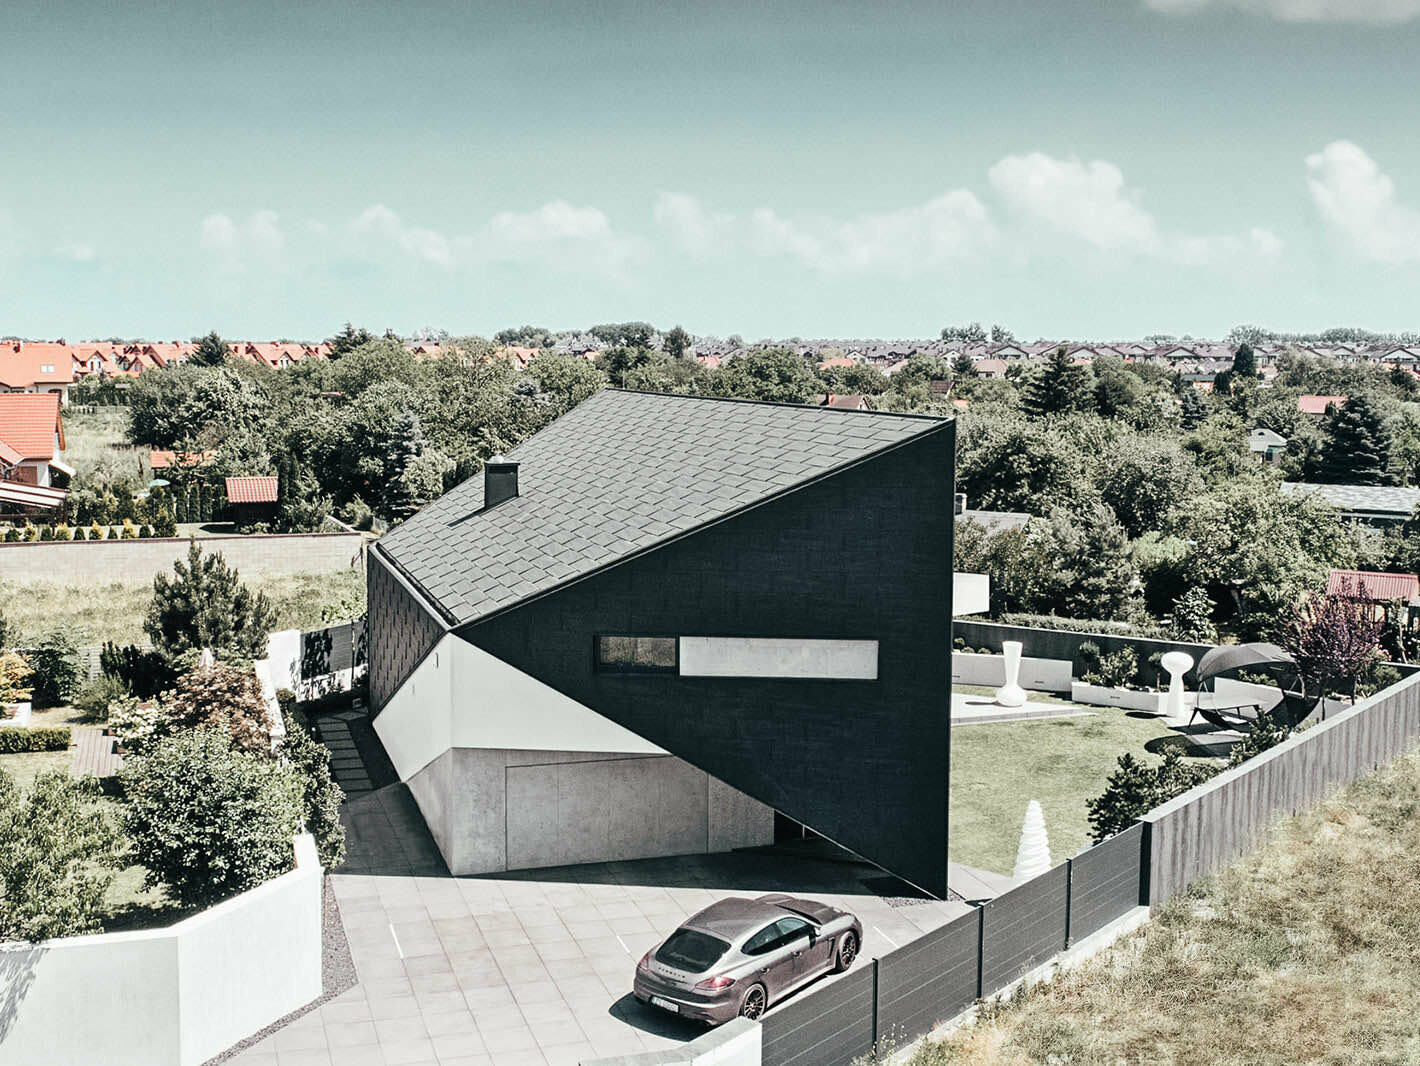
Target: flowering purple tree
1335 636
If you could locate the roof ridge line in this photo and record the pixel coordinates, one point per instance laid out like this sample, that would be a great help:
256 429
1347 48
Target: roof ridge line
778 403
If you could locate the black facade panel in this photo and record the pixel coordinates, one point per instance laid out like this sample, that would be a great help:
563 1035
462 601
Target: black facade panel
1023 928
827 1026
929 980
865 553
401 630
1104 882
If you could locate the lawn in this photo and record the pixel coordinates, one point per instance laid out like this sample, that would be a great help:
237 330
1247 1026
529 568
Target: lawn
1305 951
115 611
999 767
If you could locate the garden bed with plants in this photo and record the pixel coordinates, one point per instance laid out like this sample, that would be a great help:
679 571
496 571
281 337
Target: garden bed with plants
210 794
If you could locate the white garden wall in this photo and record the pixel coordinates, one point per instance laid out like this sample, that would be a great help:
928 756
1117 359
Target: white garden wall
167 997
1037 675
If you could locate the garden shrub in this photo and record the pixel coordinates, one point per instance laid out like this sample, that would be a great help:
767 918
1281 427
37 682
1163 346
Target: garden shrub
220 697
144 672
208 820
1083 625
1265 731
55 662
1117 669
59 848
14 740
322 796
15 676
137 723
96 696
205 605
1135 788
129 531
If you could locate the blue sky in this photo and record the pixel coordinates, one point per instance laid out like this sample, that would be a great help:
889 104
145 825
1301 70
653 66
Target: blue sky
1088 168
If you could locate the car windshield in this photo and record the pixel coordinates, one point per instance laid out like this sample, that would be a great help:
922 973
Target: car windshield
688 950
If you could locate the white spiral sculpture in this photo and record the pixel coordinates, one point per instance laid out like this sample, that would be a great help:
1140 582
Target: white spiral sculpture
1033 855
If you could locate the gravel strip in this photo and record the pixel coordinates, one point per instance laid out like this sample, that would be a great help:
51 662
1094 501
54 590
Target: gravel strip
337 973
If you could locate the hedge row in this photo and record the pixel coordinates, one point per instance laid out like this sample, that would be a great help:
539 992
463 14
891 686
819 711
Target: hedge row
1079 625
47 738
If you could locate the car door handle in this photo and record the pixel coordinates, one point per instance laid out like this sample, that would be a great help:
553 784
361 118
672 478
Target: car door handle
797 954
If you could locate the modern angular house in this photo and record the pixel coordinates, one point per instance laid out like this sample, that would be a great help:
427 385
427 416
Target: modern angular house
670 624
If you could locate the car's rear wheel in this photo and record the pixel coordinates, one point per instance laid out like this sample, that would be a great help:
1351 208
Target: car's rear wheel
752 1006
847 952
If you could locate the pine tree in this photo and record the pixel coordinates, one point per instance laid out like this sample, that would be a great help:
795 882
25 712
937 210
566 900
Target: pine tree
1194 409
347 340
1356 444
1244 362
397 501
1059 386
676 343
205 605
211 351
963 367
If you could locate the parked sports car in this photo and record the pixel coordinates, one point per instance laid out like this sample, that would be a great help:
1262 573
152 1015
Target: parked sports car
739 956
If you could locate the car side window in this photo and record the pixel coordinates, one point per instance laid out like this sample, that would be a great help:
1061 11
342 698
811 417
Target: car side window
791 929
763 941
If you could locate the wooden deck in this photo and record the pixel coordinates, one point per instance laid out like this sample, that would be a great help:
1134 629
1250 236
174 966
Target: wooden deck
93 753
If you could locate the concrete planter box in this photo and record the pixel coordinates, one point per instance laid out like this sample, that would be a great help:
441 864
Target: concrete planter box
1126 698
167 997
16 714
1038 675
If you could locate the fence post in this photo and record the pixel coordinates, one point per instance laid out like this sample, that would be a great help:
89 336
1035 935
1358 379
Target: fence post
875 1006
1146 853
1069 888
980 944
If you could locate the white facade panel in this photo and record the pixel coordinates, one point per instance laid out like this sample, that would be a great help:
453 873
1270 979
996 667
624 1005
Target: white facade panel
462 697
855 660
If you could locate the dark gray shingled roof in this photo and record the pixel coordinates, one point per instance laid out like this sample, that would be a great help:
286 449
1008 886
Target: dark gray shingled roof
618 474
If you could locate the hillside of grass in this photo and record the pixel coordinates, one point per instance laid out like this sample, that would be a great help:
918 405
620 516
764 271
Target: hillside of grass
1306 951
115 611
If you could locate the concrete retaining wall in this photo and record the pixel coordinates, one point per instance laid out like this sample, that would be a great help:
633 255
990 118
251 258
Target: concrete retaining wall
167 997
102 561
1065 644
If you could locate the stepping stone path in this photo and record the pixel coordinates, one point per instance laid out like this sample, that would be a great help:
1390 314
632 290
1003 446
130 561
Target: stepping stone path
345 762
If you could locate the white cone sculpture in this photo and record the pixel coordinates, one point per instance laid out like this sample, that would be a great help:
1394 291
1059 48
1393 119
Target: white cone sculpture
1011 694
1033 856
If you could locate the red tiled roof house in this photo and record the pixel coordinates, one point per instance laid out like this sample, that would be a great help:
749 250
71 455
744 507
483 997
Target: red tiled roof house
31 438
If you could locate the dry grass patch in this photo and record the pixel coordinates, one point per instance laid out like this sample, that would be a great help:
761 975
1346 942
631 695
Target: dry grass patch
1306 951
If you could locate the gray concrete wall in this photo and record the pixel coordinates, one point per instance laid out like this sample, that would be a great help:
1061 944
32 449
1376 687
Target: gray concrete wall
1206 828
83 561
491 810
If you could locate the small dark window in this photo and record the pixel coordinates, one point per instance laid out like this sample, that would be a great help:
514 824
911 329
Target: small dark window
763 940
638 655
791 929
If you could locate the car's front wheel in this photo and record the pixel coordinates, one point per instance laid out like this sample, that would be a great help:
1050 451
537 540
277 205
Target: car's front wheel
752 1006
847 952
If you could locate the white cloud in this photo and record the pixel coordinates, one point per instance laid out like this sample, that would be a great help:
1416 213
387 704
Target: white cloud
693 228
1084 200
257 241
1090 202
378 224
80 253
556 232
1358 201
950 226
1381 12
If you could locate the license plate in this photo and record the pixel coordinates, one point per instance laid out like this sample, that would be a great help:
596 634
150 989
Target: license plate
665 1004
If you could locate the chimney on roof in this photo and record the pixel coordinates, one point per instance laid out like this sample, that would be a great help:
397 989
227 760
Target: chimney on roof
500 481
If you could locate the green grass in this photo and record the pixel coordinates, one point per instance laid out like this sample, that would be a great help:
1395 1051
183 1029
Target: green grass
103 435
999 767
115 611
1306 951
25 766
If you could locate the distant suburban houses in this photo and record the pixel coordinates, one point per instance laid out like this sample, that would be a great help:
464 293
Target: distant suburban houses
55 366
31 438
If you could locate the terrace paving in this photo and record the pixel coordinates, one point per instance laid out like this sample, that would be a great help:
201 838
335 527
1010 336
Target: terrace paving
535 967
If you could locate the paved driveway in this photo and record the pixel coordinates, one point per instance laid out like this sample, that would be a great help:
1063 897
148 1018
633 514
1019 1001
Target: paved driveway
534 968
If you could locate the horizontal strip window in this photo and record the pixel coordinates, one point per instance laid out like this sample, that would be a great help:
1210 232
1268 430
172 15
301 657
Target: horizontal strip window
789 657
636 655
